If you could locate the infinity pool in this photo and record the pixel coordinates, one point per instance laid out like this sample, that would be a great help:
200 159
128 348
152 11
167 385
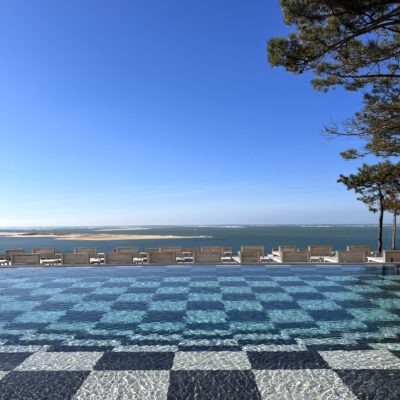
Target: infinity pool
212 332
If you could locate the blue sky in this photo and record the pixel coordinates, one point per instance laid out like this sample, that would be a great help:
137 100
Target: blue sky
162 112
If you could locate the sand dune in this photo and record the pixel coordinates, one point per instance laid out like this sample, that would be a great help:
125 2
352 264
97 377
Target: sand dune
89 236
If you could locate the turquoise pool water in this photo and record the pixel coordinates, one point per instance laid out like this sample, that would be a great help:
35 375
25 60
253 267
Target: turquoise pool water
201 308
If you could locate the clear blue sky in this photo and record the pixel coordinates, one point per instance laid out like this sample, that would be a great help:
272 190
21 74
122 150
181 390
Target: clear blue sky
161 112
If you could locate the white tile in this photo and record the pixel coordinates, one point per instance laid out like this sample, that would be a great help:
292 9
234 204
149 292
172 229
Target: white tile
60 361
124 385
158 348
22 349
361 359
385 346
211 360
304 384
274 347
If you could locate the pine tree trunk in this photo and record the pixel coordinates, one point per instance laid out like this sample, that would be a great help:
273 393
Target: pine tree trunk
394 230
380 228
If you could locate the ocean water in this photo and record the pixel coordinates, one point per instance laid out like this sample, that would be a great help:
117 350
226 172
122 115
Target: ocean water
230 236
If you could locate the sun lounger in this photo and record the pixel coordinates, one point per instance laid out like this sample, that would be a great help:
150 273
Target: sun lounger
92 251
9 253
47 255
75 259
318 252
251 254
134 251
357 248
293 256
208 256
277 251
25 259
343 257
388 256
158 257
118 258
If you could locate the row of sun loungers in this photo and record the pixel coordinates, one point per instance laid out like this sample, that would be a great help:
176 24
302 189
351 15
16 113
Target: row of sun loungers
203 255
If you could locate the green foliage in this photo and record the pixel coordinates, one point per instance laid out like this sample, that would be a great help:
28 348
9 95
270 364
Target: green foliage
374 183
348 43
376 186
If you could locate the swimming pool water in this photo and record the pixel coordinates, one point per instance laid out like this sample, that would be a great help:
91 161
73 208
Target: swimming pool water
198 307
200 332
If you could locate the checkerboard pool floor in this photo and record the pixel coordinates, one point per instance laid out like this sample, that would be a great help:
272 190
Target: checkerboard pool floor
203 333
162 375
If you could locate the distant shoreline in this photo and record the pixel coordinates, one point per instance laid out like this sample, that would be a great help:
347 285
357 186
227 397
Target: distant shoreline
89 236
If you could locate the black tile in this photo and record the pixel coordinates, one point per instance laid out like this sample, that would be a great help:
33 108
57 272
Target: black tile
205 305
293 283
238 296
356 304
164 316
330 315
9 361
135 361
280 305
41 385
141 290
396 353
81 316
307 296
233 283
39 327
221 385
247 316
372 384
67 349
6 316
129 305
297 325
286 360
204 290
334 347
50 306
171 297
273 289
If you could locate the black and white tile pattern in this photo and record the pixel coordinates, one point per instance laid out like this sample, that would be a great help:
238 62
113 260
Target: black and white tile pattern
200 333
116 375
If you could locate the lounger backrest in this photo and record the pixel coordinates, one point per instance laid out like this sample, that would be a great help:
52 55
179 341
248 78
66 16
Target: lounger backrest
75 258
295 256
350 256
25 259
9 253
253 248
92 251
158 257
177 250
357 248
118 258
250 256
391 256
320 250
282 249
45 252
213 249
207 257
134 251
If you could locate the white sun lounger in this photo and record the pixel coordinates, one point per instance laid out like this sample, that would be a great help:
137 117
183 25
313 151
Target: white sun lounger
388 256
343 257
